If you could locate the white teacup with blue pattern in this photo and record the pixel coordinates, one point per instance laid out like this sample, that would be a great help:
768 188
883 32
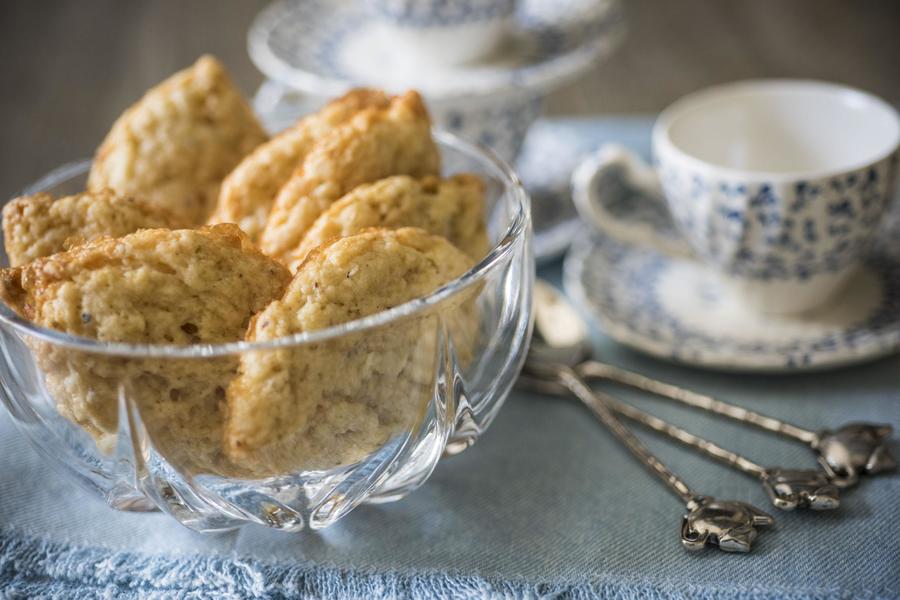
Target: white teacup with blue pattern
780 185
444 32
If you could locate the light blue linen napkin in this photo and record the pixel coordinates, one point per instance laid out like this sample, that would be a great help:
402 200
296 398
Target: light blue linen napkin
547 504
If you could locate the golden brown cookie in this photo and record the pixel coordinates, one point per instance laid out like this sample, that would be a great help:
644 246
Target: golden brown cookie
155 286
177 143
375 143
39 225
249 191
330 403
452 208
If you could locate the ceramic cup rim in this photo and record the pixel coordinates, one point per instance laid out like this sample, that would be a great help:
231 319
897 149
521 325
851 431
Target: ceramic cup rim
665 147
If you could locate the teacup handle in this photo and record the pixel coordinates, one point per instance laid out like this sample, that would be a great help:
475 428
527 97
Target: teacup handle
615 170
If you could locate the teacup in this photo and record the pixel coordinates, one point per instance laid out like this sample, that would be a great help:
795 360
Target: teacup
780 185
444 32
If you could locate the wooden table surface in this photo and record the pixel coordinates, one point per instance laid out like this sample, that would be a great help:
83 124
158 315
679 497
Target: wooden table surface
70 67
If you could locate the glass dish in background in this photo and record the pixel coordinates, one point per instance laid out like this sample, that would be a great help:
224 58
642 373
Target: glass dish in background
463 346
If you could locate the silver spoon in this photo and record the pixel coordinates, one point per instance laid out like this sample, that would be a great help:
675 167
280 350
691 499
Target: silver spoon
560 342
787 488
844 453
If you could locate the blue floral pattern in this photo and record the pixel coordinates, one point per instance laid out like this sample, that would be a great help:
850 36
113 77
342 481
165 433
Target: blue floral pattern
441 13
500 126
618 285
625 201
776 231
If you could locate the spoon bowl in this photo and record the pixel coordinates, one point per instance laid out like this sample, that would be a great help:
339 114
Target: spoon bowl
560 338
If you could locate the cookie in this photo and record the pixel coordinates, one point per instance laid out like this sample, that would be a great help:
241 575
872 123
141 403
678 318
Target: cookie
331 403
151 287
39 225
249 190
177 143
452 208
375 143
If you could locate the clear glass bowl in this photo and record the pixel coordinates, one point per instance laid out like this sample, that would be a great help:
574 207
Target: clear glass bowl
431 376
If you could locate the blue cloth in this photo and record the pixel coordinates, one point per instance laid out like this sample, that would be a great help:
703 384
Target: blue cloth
547 504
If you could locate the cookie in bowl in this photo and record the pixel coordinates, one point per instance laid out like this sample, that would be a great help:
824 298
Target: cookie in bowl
156 286
249 191
332 403
451 207
375 143
41 225
186 370
177 143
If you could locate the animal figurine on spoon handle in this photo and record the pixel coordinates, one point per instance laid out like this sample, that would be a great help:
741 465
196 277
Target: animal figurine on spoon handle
729 524
560 341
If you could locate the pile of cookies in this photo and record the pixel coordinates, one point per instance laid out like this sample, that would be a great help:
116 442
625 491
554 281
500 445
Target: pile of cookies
195 228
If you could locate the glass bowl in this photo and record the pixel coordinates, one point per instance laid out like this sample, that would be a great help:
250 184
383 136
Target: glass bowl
420 380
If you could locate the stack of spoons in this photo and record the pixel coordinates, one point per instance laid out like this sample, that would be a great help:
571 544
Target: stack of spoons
558 363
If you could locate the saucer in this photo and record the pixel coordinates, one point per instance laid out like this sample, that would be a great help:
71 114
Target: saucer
324 47
678 309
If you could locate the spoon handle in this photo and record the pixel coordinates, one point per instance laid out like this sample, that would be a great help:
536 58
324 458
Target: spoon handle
685 437
595 369
601 410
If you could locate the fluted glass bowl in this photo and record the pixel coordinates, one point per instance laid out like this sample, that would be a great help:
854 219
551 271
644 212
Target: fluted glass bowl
418 381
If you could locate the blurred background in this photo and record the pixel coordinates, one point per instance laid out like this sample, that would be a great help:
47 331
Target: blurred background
70 67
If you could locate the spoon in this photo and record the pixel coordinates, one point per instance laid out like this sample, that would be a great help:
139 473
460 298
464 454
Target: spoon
844 453
787 488
560 342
